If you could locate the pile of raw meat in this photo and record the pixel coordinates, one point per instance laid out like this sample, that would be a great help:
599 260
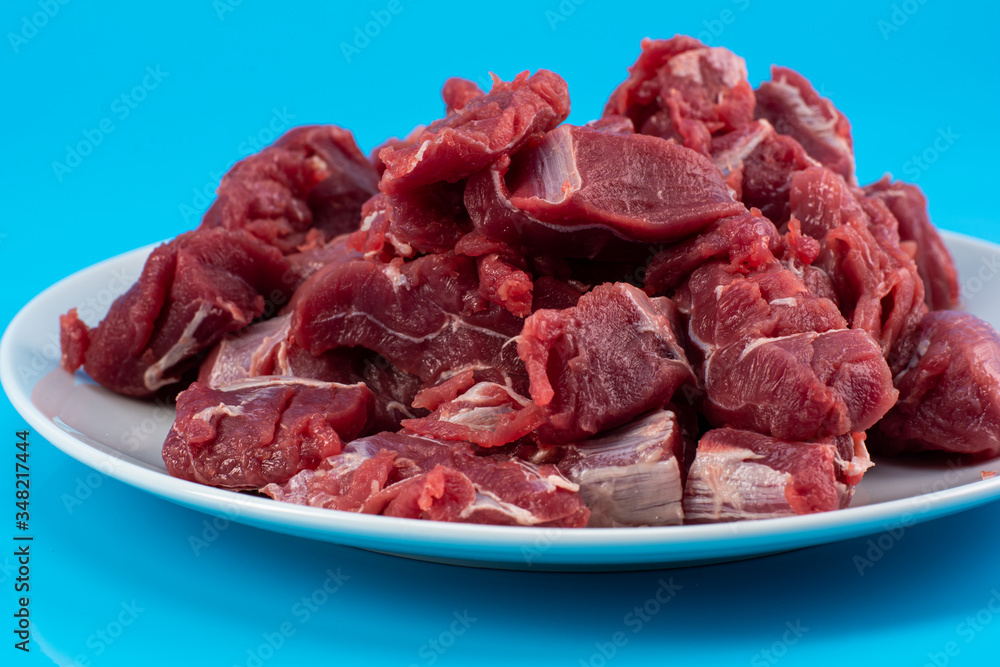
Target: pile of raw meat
685 311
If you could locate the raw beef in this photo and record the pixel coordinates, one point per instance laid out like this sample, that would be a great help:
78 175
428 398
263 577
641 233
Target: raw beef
429 219
949 390
192 291
487 414
612 357
313 178
795 109
586 193
312 258
426 316
268 348
633 475
878 287
739 475
261 431
758 164
410 476
748 240
457 93
777 358
682 90
480 132
933 260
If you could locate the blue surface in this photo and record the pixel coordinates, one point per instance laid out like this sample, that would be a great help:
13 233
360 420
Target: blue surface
115 579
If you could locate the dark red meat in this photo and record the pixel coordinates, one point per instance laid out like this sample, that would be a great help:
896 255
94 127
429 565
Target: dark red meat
426 316
414 477
795 109
74 339
777 358
739 475
682 90
268 348
747 240
261 431
487 414
429 219
312 178
949 389
476 135
192 291
931 255
612 357
586 193
878 287
758 164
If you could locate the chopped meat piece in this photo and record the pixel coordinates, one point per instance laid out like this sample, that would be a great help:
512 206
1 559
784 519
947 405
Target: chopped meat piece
795 109
487 414
878 287
778 359
426 316
748 240
682 90
410 476
949 389
758 164
633 475
312 178
612 357
738 475
799 386
74 339
308 261
585 193
192 291
261 431
475 136
458 92
505 285
394 143
933 260
429 219
268 348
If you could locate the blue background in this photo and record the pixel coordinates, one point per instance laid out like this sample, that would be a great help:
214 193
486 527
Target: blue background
905 73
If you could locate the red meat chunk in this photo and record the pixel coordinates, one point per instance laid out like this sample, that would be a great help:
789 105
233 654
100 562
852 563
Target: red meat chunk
586 193
739 475
777 358
409 476
949 389
313 179
682 90
192 291
934 262
878 287
795 109
261 431
477 134
487 414
612 357
426 316
268 348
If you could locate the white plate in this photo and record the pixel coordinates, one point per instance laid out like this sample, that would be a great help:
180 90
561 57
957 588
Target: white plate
121 437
